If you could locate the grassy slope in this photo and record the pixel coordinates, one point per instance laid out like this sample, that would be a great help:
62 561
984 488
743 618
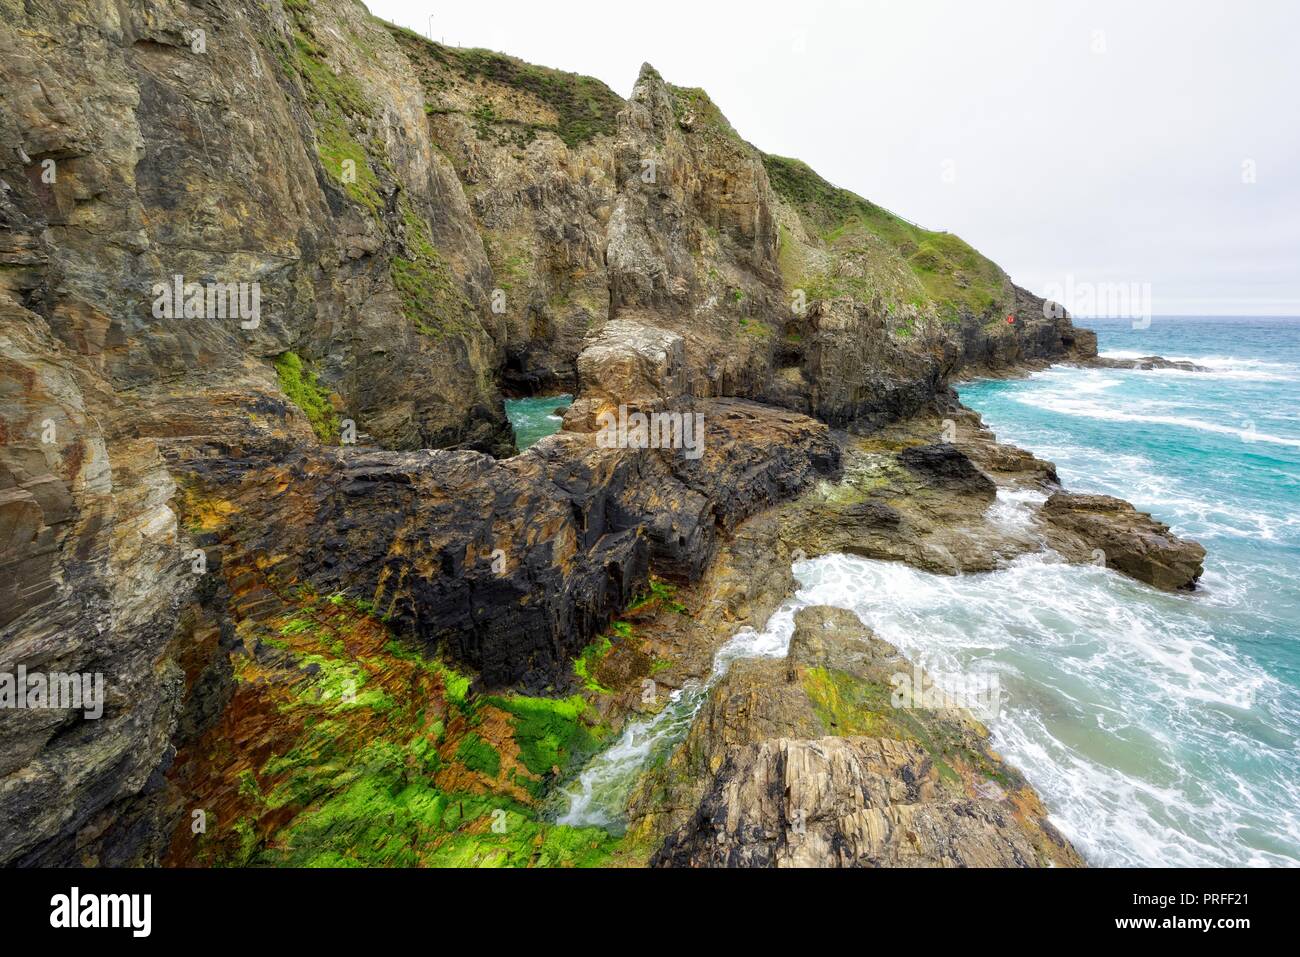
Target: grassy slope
950 276
584 106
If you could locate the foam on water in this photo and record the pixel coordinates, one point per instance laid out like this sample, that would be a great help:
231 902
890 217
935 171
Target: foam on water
1212 679
1227 367
1117 703
1160 729
598 796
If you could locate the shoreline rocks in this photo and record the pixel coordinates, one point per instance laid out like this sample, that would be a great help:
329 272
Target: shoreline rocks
808 762
1119 536
1145 364
429 228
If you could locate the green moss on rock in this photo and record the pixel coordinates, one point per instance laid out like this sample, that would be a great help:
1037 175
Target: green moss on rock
302 388
431 299
955 278
552 733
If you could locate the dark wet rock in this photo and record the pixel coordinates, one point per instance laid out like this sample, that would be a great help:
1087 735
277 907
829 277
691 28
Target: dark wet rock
947 467
1110 530
1145 363
509 566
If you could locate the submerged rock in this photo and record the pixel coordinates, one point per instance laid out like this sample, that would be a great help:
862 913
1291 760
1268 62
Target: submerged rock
1145 364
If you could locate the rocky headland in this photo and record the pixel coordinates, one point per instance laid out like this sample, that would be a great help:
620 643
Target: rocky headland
340 619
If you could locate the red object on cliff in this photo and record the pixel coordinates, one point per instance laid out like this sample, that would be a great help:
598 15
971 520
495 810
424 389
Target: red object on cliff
1011 319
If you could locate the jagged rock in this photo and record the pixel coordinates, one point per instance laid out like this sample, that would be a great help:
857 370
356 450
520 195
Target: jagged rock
844 802
1039 332
778 772
1131 541
510 566
633 365
861 375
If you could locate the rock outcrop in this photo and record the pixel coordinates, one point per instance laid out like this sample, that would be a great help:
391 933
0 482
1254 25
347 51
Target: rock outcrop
374 238
1145 364
1116 534
814 762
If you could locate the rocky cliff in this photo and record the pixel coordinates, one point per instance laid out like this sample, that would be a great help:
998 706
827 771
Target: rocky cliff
266 272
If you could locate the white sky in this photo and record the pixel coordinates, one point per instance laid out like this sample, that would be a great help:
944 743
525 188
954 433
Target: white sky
1122 166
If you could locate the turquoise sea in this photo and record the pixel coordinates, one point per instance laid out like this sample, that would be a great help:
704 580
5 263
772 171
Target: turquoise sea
1160 729
534 418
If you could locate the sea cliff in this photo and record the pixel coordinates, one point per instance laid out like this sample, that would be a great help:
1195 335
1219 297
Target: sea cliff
339 619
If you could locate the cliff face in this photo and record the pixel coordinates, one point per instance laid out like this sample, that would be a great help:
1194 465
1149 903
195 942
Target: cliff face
426 228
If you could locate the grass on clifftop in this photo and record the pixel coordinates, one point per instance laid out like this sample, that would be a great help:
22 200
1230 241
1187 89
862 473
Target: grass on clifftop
584 106
302 388
694 104
955 277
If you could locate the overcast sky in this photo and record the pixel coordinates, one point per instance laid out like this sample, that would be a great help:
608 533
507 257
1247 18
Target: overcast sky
1098 142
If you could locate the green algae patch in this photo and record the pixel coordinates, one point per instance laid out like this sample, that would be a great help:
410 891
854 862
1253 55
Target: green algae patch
302 387
477 755
346 746
846 705
660 594
851 706
584 666
553 734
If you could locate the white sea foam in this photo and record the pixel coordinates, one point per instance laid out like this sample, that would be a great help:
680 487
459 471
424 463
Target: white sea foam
1118 704
1115 699
1107 412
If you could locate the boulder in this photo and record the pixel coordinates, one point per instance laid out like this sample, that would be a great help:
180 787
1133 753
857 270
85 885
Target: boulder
1130 541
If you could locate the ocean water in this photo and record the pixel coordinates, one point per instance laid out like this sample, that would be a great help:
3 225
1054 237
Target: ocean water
1159 729
534 418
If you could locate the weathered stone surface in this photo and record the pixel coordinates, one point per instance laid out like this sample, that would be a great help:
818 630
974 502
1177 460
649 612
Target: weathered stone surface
630 366
945 466
1131 541
568 526
499 223
778 771
844 802
94 578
